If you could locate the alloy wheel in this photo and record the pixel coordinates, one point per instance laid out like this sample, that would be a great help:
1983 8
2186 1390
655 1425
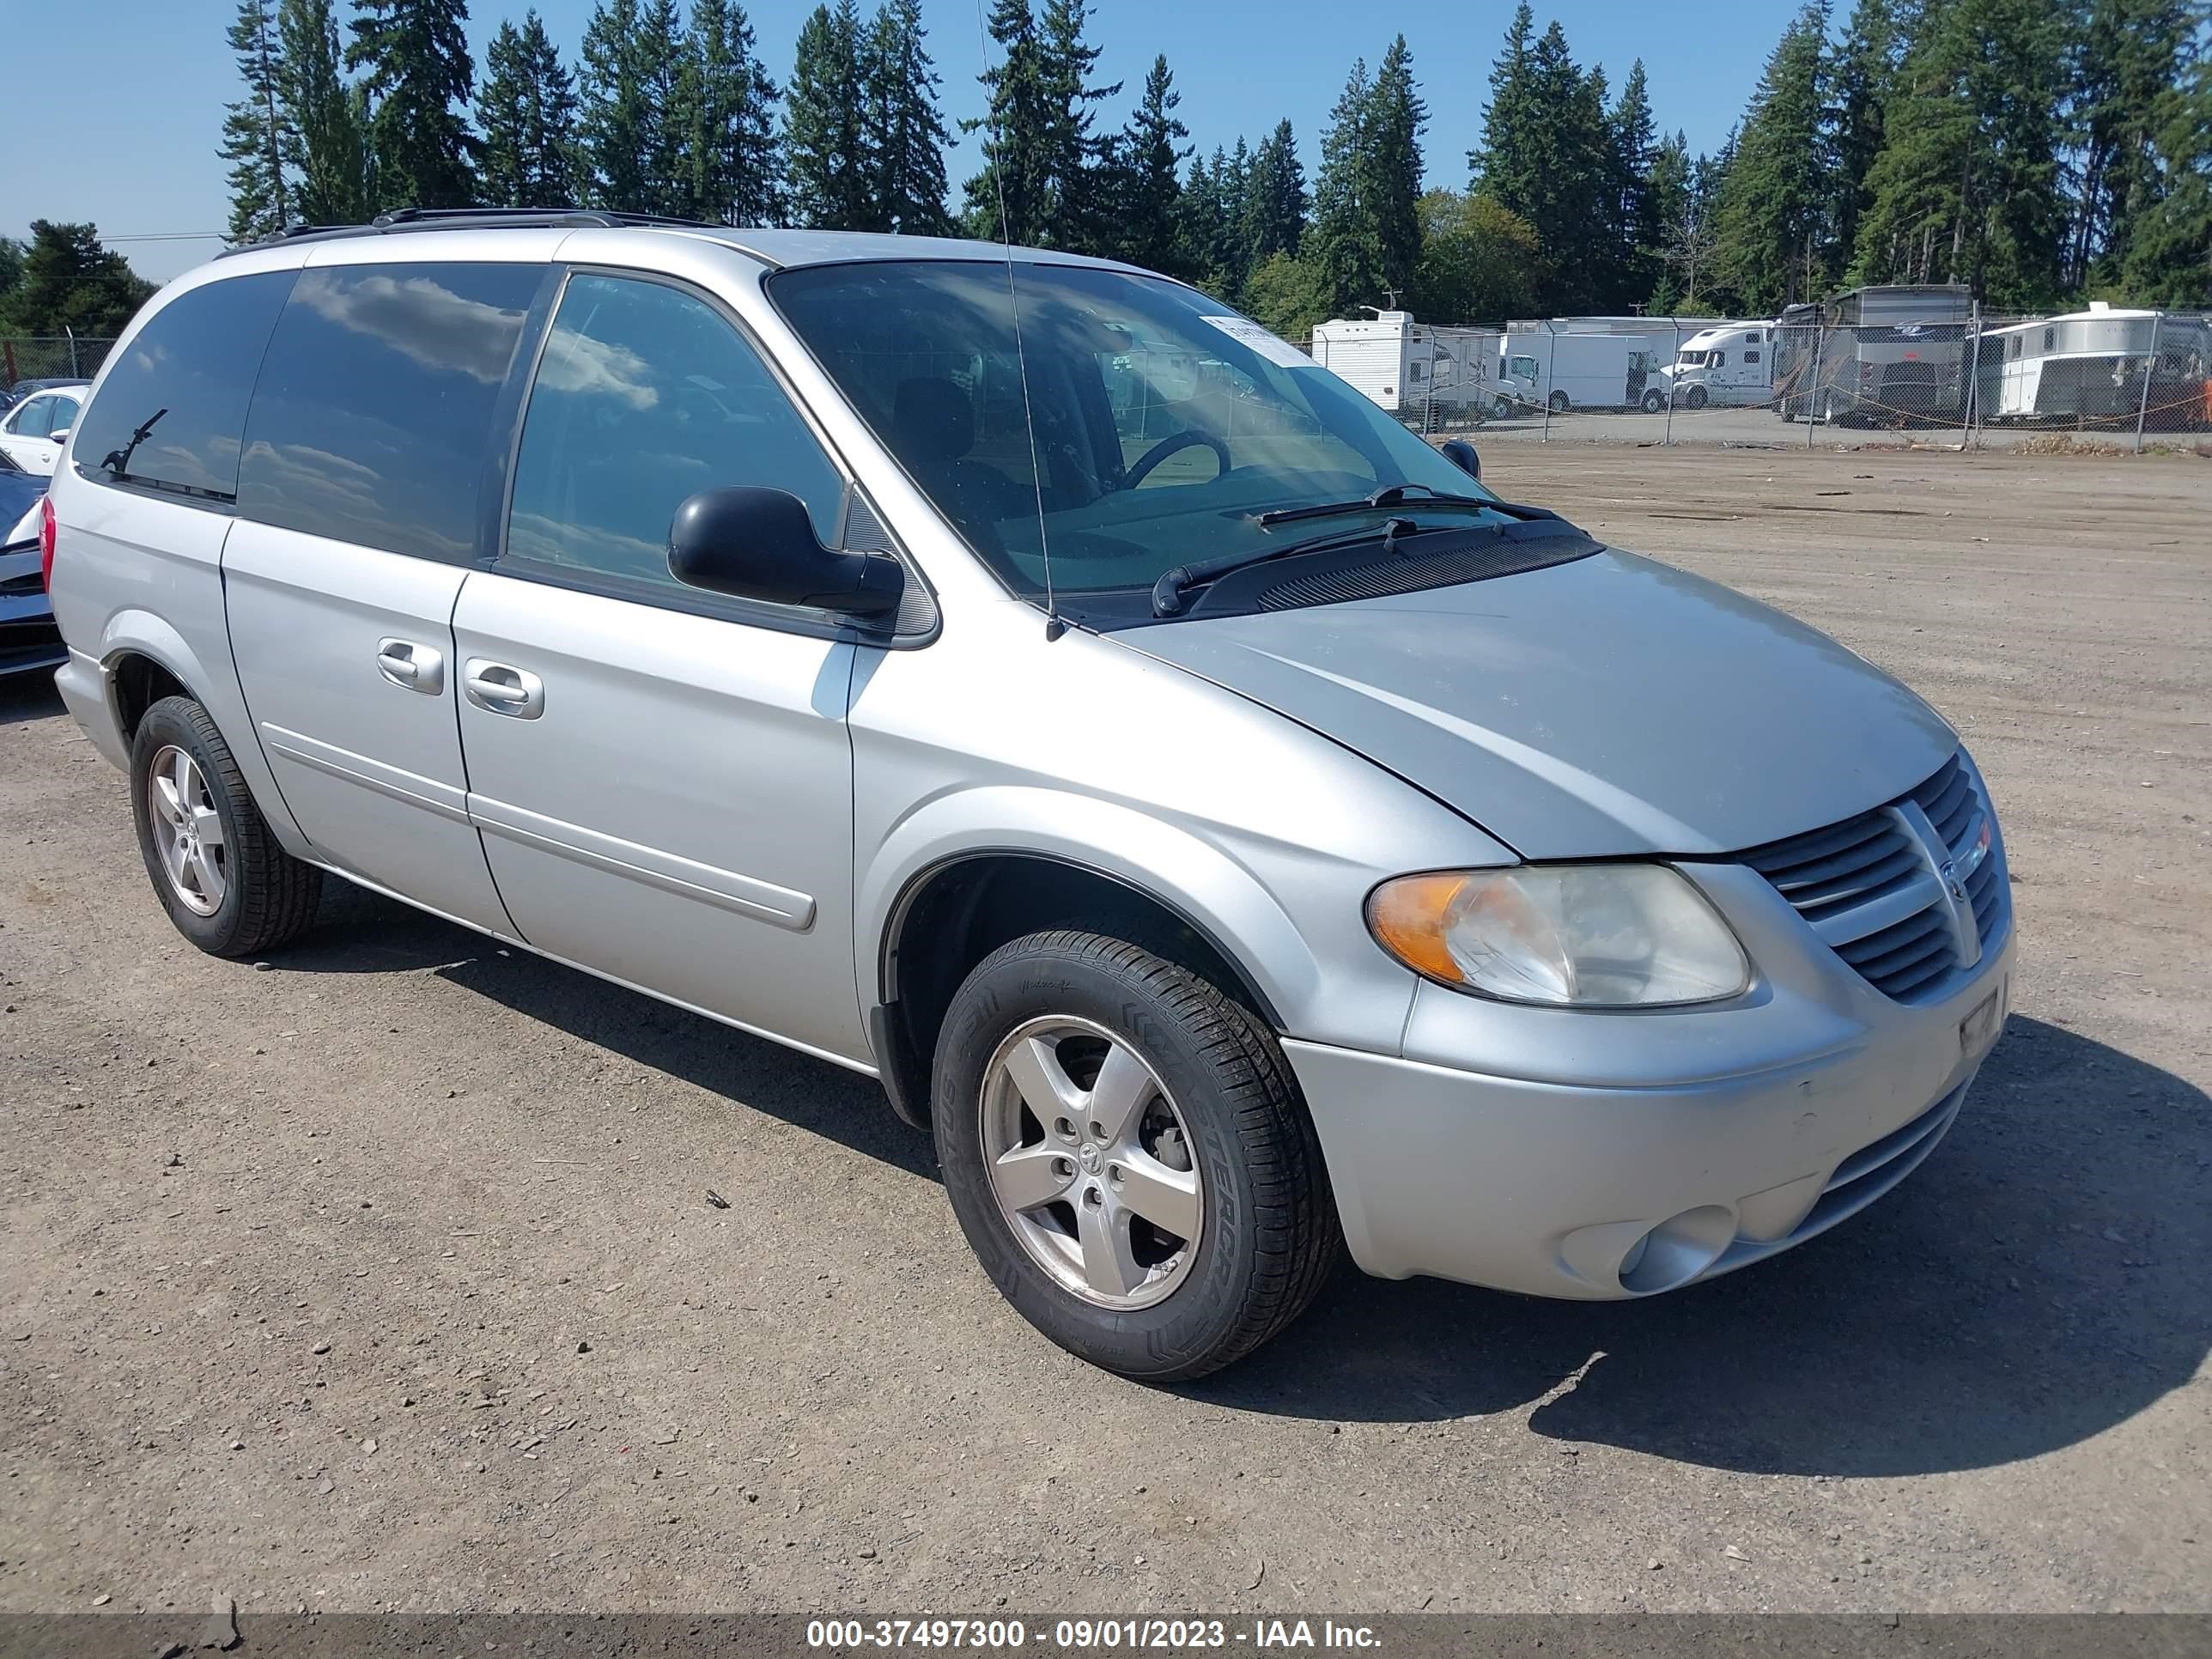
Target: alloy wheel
187 831
1091 1163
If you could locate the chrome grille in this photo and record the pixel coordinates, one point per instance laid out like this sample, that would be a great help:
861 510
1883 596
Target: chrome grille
1876 887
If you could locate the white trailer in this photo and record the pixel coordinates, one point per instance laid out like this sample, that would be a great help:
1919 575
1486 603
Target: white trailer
1564 368
2089 365
1729 363
1406 367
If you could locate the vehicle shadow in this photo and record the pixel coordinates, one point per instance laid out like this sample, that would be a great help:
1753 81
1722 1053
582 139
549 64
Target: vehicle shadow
359 931
2036 1282
30 696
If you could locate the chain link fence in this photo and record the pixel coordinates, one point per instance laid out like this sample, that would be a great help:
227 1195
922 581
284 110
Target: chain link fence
1874 367
52 357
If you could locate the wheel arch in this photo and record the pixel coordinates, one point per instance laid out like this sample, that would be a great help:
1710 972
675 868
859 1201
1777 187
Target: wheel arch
1179 897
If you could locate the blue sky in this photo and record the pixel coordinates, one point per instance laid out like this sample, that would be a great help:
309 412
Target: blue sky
131 124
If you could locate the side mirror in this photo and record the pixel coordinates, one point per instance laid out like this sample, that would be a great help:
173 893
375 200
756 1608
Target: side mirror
59 437
1461 453
758 544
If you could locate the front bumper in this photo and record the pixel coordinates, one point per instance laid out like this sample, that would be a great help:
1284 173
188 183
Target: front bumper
1646 1161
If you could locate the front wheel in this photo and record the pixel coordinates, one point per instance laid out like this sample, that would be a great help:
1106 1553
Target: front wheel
1696 398
1126 1151
1559 403
227 885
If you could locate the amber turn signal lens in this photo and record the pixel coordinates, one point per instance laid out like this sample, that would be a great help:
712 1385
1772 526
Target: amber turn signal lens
1408 916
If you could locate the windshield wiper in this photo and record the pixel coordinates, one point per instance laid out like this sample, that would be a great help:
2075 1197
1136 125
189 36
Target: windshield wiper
118 461
1168 593
1388 496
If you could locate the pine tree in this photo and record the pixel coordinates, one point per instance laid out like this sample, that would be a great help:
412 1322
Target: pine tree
1079 162
414 54
1772 220
1012 196
668 69
908 131
254 132
69 281
2168 256
1635 215
1547 157
1390 184
1154 156
1201 220
2132 67
526 112
324 130
721 133
1965 188
1862 77
1344 244
828 165
1275 200
1506 166
615 123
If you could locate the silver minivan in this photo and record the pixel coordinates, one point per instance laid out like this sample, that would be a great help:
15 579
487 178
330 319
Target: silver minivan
1234 832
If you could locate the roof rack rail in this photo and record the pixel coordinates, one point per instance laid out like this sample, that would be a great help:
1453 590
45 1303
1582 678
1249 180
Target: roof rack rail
414 218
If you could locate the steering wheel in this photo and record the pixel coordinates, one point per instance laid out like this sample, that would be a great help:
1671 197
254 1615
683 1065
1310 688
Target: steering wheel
1189 438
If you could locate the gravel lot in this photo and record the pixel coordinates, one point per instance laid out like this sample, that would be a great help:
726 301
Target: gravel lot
386 1277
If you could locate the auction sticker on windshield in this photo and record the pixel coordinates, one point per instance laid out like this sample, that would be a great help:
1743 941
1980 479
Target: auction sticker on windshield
1247 332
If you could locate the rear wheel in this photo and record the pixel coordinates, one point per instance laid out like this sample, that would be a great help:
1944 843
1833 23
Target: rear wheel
1653 403
1129 1156
1559 403
217 870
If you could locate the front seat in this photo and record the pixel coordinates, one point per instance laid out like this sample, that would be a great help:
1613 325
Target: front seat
932 430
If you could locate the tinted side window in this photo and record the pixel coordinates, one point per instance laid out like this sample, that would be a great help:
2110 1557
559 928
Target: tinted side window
186 378
34 420
62 416
373 418
645 395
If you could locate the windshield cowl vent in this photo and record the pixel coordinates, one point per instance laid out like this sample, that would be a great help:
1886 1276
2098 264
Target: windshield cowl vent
1478 557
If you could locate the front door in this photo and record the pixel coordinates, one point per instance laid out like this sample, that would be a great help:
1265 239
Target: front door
663 778
27 432
371 434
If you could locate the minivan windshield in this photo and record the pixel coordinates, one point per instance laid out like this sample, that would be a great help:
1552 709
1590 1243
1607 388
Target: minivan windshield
1164 423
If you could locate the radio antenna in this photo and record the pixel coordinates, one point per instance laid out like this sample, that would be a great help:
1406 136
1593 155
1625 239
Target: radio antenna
1054 626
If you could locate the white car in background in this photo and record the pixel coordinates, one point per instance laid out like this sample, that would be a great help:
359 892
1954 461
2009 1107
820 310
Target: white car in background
31 433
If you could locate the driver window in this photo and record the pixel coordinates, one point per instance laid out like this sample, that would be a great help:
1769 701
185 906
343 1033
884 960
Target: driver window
645 395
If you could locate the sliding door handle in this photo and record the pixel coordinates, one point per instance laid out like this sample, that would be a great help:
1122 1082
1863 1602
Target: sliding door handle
497 688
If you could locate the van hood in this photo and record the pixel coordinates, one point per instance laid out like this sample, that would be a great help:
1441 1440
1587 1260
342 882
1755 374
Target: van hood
1610 707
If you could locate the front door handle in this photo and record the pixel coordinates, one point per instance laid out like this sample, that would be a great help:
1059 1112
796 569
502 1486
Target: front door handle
415 667
504 690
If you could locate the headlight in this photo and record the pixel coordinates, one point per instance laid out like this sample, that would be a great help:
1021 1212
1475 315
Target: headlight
1571 935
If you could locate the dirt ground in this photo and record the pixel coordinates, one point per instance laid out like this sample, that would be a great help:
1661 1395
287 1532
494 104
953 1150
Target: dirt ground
385 1277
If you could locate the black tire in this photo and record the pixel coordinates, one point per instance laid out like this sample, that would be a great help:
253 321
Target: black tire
1270 1237
1559 403
1696 396
1653 403
269 895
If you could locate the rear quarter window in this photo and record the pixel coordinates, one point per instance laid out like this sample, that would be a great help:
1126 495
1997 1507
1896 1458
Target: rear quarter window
186 378
373 420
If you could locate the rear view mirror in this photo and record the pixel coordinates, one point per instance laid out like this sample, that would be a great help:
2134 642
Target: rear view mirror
1461 453
60 436
758 544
